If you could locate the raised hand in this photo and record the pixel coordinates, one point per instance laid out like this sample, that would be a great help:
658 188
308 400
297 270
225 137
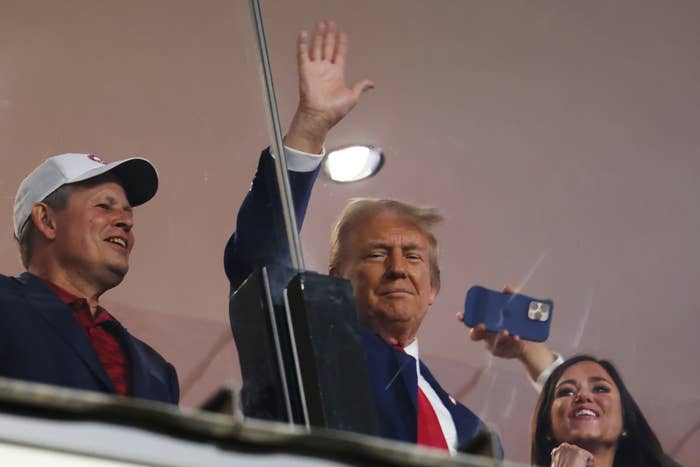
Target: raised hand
324 98
535 356
500 344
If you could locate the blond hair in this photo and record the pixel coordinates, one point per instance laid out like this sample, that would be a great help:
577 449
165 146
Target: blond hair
359 210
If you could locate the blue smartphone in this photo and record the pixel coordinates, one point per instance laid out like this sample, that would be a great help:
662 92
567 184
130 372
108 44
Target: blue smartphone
518 314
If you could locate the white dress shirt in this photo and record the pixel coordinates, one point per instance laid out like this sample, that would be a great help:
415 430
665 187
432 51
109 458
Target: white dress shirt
444 417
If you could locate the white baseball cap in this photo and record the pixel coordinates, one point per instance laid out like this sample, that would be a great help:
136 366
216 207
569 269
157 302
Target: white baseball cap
137 175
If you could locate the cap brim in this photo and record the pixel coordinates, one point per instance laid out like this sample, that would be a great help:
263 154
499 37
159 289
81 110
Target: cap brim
137 175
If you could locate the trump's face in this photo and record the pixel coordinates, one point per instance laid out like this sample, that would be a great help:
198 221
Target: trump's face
387 260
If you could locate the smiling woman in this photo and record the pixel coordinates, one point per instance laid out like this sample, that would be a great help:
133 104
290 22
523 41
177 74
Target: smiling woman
586 416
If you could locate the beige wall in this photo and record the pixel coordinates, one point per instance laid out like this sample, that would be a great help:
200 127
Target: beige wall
560 138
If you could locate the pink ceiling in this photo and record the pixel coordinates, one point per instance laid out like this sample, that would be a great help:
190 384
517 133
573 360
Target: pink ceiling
559 138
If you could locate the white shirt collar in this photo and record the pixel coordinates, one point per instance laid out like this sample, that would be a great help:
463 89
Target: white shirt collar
412 349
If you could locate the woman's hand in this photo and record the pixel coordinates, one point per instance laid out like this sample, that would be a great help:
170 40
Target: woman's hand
569 455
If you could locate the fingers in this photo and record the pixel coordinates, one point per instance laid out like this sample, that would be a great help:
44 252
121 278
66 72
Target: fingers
316 52
570 455
501 336
499 340
510 288
329 41
303 47
478 332
460 316
341 48
501 344
327 44
505 343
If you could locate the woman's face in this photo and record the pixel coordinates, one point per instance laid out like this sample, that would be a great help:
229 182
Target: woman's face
586 410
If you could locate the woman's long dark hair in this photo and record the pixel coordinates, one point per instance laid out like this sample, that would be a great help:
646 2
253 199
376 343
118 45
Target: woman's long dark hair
638 448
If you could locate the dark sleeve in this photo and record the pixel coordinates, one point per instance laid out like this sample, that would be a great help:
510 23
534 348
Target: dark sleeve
260 237
152 377
470 428
173 384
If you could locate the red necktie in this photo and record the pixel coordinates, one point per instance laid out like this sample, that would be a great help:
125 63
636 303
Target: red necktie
429 430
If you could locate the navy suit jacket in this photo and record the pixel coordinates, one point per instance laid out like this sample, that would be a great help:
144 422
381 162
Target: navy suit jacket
260 240
41 341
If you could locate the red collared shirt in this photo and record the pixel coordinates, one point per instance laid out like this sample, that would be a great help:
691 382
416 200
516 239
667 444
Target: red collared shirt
109 350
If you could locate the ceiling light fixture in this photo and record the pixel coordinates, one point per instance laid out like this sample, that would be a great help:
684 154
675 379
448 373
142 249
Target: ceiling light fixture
353 163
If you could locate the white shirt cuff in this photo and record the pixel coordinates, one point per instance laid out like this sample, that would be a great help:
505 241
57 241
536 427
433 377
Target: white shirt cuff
538 384
299 161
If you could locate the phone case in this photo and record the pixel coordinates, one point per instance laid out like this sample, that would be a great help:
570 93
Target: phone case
519 314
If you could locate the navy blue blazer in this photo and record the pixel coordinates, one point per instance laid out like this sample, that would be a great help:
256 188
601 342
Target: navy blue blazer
41 341
260 240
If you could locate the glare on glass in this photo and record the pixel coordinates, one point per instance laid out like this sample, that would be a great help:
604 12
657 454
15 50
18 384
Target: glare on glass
353 163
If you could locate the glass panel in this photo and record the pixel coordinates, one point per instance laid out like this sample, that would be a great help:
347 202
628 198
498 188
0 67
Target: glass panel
558 140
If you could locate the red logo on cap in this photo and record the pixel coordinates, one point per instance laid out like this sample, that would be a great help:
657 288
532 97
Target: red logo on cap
95 158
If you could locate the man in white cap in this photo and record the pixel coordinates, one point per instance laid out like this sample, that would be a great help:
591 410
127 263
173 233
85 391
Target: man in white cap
73 221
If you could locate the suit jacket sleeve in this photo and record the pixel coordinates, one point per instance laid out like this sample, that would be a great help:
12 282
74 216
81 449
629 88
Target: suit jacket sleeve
260 237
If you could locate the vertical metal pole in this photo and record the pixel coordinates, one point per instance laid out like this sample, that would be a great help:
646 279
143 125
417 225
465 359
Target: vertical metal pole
278 348
278 144
297 363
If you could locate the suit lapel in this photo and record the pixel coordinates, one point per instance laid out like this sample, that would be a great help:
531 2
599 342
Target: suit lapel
395 391
466 422
392 367
433 383
447 400
139 373
406 365
60 320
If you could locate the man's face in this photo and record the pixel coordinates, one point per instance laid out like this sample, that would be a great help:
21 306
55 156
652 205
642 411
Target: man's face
93 234
387 260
